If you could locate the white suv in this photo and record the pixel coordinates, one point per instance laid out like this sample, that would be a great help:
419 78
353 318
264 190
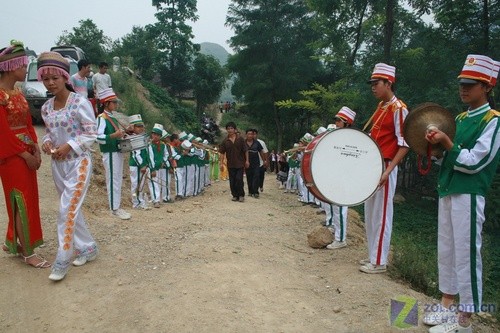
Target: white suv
35 92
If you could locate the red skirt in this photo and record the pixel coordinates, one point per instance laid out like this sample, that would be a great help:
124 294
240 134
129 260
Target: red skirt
20 187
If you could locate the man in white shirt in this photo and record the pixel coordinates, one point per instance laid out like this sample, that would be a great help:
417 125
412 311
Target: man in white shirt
101 81
262 163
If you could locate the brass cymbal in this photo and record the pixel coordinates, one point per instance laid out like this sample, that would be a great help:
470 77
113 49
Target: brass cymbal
420 119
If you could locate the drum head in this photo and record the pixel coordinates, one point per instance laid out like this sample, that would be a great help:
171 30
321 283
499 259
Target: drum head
346 166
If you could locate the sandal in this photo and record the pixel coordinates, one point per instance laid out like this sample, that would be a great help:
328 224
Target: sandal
7 250
39 263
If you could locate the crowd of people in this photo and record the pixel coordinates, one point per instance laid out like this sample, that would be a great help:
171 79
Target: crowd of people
165 162
186 164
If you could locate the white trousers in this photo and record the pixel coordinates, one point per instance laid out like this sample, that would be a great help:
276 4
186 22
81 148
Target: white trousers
291 182
154 185
378 220
190 174
196 180
137 183
165 184
72 179
460 222
113 167
181 181
336 216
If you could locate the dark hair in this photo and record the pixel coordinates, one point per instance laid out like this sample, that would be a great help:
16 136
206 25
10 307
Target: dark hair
103 64
255 131
231 124
249 130
82 63
491 98
174 137
69 87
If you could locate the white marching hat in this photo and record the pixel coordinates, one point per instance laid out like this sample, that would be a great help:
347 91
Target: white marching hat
135 119
383 71
164 134
346 115
320 130
308 137
479 68
186 144
183 135
107 95
158 129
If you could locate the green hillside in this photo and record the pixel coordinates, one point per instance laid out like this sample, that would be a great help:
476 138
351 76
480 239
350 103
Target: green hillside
219 53
215 50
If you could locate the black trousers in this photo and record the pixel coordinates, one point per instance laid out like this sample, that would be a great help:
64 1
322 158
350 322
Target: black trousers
236 182
274 166
262 170
253 179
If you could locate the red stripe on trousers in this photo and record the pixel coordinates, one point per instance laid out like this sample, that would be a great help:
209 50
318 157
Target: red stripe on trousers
382 230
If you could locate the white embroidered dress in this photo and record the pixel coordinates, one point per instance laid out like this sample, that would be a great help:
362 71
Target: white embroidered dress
74 124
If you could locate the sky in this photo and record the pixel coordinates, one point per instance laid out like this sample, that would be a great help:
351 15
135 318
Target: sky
39 23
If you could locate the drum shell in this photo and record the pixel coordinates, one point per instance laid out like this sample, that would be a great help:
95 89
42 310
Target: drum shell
352 171
305 168
133 142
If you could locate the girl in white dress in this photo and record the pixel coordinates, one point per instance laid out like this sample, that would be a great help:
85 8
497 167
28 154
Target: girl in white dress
70 132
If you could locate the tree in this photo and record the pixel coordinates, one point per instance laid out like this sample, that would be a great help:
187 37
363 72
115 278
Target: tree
173 39
318 106
138 51
89 38
273 60
209 78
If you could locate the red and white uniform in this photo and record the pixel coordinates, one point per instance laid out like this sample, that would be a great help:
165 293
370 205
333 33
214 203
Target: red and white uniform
387 131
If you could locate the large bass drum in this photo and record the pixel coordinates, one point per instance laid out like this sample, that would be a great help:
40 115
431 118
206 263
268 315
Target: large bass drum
342 167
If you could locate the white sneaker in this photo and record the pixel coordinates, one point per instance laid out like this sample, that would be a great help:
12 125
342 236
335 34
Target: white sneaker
450 328
336 245
363 262
58 274
82 260
438 317
122 214
373 269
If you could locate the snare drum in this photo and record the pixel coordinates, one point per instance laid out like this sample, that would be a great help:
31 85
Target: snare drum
133 142
342 167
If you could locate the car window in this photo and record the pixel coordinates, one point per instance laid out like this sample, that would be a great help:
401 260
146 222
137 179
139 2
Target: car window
73 68
68 53
32 72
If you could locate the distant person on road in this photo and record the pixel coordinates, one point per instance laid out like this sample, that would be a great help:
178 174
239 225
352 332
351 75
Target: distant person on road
273 162
254 149
235 154
101 81
79 80
262 160
19 160
70 132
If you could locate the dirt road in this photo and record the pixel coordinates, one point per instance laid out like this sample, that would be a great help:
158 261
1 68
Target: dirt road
205 264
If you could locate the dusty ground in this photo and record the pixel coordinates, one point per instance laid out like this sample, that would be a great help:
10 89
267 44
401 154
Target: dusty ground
205 264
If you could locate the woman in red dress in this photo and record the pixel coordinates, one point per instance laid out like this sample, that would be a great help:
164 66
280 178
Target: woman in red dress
19 160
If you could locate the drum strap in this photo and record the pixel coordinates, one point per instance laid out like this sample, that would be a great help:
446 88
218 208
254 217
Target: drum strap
111 120
376 121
